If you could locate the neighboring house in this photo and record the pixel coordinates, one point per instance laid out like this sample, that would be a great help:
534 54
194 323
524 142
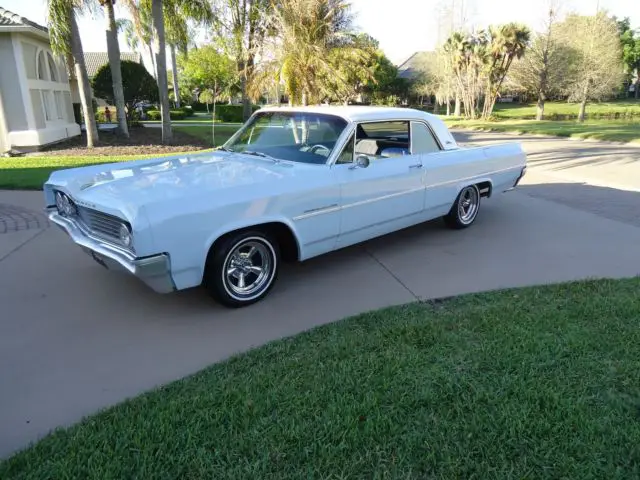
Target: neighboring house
94 61
416 64
35 95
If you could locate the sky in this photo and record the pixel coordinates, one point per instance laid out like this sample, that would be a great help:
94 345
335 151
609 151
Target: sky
401 26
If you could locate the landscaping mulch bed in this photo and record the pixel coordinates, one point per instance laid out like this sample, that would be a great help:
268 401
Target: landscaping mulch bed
142 140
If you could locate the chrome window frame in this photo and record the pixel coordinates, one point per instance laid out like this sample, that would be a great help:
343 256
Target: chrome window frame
331 161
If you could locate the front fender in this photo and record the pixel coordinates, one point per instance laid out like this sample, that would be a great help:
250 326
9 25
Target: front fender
244 223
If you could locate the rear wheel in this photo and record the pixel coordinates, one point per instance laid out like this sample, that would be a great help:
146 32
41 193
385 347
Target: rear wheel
242 268
465 209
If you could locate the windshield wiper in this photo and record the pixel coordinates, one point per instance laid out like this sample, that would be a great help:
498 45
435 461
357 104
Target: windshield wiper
262 155
225 149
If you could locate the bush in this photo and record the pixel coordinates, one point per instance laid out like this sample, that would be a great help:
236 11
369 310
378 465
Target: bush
173 114
231 113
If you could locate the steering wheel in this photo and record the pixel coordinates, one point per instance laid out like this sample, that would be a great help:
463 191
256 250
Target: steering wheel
318 147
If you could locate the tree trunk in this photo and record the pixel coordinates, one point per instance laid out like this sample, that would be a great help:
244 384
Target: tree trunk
174 72
153 62
161 64
457 110
637 91
304 98
246 101
84 89
583 107
113 50
540 107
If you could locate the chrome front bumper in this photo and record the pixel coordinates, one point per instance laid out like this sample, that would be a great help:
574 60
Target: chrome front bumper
154 271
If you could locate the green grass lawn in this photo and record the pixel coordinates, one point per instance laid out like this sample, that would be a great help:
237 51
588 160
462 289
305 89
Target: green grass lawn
533 383
205 132
30 173
610 130
622 108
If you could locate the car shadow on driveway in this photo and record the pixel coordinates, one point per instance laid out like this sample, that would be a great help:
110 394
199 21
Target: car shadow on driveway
612 203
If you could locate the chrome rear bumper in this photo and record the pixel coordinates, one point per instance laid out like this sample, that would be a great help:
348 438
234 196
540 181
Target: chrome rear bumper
154 271
515 184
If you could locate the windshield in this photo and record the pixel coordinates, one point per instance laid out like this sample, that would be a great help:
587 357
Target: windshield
294 136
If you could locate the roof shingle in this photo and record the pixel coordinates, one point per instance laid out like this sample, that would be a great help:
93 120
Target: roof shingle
416 65
10 19
95 60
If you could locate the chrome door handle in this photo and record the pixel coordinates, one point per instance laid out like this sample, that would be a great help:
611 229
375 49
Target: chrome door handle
417 165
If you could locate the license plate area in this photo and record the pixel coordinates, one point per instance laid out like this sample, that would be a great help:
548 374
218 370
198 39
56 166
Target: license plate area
98 258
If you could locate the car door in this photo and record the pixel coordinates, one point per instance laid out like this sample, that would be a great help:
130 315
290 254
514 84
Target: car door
439 192
384 196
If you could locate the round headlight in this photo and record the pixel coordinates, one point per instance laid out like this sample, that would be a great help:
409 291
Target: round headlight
125 236
59 202
69 207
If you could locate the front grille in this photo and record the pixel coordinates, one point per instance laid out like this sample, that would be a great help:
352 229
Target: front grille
100 224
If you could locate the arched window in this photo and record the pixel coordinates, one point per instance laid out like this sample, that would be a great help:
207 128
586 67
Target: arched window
53 68
42 67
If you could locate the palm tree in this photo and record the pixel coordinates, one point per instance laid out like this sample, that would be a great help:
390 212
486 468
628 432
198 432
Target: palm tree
157 15
140 34
65 41
467 55
306 32
177 13
113 50
506 43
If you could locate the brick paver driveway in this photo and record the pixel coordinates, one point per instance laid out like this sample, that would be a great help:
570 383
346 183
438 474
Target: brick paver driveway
75 338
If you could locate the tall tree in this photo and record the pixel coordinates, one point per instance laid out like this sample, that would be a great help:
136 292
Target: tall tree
65 41
157 15
242 23
596 70
468 56
304 33
543 71
140 33
207 70
113 51
630 42
178 14
506 43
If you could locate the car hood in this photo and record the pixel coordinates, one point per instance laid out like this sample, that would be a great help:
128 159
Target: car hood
127 186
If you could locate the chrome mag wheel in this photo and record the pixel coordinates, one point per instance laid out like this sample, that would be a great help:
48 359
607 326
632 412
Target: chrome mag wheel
249 268
468 204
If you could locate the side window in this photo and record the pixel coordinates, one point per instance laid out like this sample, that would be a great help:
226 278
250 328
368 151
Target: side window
422 140
346 156
382 139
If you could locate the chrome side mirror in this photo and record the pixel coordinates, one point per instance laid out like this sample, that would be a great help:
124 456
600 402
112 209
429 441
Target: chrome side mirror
361 161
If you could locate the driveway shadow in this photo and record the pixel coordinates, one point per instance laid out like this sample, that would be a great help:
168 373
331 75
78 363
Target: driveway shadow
612 203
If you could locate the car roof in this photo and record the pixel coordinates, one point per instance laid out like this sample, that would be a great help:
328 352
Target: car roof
357 113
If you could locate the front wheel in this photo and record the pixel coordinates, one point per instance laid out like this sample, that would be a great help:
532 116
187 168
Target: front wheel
242 268
465 209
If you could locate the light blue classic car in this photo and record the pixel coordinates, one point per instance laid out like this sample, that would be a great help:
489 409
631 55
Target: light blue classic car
291 184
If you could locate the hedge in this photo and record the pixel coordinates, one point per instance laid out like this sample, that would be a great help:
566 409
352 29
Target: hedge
173 114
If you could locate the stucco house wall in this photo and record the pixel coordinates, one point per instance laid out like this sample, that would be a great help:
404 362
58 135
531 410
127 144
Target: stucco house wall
35 96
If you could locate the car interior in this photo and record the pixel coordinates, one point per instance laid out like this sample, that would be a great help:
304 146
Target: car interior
383 139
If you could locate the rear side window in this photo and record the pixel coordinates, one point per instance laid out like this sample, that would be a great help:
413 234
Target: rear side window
382 139
422 140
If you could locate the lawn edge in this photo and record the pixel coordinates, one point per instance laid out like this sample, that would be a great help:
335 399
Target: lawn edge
518 132
435 304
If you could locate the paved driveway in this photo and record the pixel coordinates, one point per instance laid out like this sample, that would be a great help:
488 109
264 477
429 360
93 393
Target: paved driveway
75 338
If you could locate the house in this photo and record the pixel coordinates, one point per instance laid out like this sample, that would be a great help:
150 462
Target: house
35 95
416 65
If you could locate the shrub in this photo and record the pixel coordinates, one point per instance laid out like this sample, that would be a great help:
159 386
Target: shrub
231 113
173 114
